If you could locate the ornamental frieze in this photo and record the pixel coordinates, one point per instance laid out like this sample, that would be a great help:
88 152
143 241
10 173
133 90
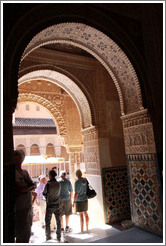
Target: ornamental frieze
138 133
136 118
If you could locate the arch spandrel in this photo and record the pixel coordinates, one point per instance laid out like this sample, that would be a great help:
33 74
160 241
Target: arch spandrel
102 48
60 123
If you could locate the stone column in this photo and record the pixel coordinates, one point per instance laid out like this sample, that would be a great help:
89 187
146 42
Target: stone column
72 167
144 182
93 174
78 160
74 156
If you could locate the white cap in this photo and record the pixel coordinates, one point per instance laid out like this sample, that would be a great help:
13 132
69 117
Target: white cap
42 176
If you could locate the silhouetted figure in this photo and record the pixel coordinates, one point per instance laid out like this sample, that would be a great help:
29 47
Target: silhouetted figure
23 206
81 199
66 200
52 193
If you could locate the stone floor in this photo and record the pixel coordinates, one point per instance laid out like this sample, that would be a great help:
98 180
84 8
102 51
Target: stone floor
96 234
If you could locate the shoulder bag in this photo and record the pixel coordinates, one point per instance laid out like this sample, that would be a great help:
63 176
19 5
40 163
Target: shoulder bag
90 191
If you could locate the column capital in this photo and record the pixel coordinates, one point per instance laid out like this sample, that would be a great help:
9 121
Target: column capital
74 149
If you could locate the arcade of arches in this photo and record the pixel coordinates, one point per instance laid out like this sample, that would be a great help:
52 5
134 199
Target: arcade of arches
91 89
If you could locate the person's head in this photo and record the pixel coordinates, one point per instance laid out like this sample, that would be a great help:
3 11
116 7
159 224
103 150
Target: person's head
42 179
19 156
63 174
54 168
52 174
78 173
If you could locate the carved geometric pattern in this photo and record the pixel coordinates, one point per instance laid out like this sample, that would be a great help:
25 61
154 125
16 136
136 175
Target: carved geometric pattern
68 85
145 192
116 193
103 49
91 150
35 140
19 141
23 97
56 99
138 133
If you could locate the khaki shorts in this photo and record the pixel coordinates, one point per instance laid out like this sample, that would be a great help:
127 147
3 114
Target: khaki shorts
66 208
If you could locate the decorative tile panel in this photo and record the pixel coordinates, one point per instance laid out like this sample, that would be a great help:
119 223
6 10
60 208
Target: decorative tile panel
116 194
145 192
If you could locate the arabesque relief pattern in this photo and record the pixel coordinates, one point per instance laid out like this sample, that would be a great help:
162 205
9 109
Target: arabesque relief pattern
103 49
143 173
91 150
138 133
25 97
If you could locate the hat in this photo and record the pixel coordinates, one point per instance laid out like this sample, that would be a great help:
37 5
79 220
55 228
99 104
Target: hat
42 177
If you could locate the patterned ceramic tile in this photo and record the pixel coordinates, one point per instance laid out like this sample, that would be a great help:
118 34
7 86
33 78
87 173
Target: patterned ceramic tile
145 193
116 193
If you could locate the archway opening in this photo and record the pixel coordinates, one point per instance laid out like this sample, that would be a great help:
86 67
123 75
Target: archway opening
96 82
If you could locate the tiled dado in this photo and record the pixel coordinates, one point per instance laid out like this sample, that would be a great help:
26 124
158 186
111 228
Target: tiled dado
116 194
145 192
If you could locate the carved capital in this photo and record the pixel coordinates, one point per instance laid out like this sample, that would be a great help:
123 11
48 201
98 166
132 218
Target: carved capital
138 133
74 149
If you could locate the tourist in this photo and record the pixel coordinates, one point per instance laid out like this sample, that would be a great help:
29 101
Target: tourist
52 193
41 201
81 200
66 200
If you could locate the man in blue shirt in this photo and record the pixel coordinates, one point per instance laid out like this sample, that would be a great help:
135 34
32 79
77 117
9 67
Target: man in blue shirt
66 200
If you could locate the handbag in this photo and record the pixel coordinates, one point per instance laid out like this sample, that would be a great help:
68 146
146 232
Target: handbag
90 191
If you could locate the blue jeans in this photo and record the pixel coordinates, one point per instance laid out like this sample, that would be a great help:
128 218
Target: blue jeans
53 209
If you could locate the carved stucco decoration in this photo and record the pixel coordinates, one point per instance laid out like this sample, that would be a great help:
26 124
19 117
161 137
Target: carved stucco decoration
35 140
24 97
91 150
74 149
69 86
138 133
20 141
56 99
103 49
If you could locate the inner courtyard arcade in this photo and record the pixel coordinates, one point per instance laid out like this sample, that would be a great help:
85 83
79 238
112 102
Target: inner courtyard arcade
101 96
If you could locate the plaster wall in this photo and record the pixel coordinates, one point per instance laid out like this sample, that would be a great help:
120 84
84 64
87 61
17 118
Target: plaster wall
95 205
32 112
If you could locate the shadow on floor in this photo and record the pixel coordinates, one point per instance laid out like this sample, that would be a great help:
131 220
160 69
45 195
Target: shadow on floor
132 235
96 234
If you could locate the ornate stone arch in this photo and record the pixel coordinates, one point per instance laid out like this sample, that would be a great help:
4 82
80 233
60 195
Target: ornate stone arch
103 49
68 85
52 67
61 127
